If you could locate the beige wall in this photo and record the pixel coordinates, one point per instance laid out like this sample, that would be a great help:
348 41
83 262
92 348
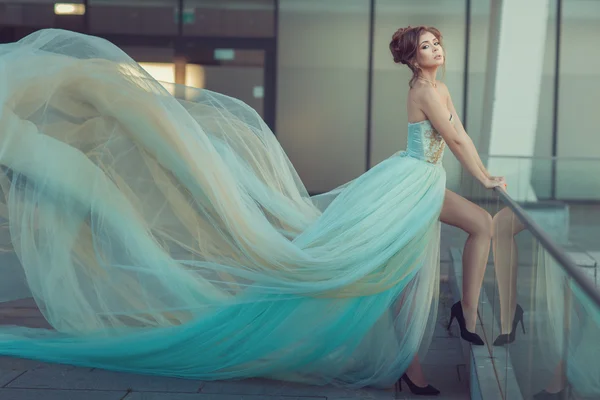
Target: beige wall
322 90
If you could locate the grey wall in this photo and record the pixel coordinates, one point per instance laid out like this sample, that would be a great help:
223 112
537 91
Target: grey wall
322 89
322 83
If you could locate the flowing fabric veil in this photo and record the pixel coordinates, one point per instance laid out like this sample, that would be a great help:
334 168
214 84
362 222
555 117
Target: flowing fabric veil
568 327
168 236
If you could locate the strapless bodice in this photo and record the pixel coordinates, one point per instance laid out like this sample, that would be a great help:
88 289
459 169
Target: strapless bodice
425 142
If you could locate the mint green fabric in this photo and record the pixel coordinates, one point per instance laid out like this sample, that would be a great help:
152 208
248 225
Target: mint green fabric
172 236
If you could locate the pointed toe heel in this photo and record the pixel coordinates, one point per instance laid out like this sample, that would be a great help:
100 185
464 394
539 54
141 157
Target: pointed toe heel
456 312
507 338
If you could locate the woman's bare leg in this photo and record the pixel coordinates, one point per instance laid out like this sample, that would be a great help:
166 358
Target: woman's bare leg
558 382
505 226
415 372
460 212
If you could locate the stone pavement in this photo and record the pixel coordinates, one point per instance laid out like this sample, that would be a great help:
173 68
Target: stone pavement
30 380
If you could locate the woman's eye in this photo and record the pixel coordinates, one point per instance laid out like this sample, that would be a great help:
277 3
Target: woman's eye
425 47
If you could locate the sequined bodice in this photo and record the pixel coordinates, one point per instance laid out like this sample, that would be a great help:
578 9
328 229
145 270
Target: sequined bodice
424 142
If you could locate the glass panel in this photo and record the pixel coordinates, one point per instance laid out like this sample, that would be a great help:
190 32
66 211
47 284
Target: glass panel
478 59
542 171
43 14
578 185
134 17
579 95
509 290
390 81
322 66
560 346
149 54
516 297
555 342
234 72
580 361
227 18
572 219
577 177
515 169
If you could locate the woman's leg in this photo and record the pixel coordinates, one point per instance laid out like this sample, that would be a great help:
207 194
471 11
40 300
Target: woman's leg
505 226
415 372
460 212
477 222
558 382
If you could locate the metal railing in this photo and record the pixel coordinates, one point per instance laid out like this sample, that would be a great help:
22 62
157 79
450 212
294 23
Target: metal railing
559 254
558 294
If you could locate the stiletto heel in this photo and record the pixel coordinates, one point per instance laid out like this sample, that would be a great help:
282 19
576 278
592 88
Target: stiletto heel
414 389
451 319
457 312
507 338
397 388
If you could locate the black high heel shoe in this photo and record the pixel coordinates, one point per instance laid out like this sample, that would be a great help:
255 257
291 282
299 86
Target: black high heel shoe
457 312
507 338
414 389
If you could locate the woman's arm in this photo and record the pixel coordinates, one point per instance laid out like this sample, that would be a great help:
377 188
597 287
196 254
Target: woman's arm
461 129
458 141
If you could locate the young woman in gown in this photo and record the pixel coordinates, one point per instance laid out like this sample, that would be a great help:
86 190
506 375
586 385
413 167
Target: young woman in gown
172 236
435 123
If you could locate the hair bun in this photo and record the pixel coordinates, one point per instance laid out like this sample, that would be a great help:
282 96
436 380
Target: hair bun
400 32
397 53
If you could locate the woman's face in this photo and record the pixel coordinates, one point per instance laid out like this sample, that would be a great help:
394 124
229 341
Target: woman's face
430 52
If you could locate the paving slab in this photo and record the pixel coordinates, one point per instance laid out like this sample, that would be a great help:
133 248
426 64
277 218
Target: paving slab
263 387
82 379
7 376
182 396
48 394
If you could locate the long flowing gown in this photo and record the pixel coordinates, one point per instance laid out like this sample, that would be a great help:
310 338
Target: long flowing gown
567 328
172 236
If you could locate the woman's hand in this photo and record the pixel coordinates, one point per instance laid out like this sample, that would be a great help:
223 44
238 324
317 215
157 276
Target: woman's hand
495 181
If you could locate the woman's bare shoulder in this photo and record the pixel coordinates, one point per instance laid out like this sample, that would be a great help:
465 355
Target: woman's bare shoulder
418 96
443 90
421 93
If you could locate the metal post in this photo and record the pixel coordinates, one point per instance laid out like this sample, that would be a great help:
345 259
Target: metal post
556 98
370 84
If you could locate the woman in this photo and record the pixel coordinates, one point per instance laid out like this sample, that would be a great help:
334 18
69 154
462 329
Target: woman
436 122
173 237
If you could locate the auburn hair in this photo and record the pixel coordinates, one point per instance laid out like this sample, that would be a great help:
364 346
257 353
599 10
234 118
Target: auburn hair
405 44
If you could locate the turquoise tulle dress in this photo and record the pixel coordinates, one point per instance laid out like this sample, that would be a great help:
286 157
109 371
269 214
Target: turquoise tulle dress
172 236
